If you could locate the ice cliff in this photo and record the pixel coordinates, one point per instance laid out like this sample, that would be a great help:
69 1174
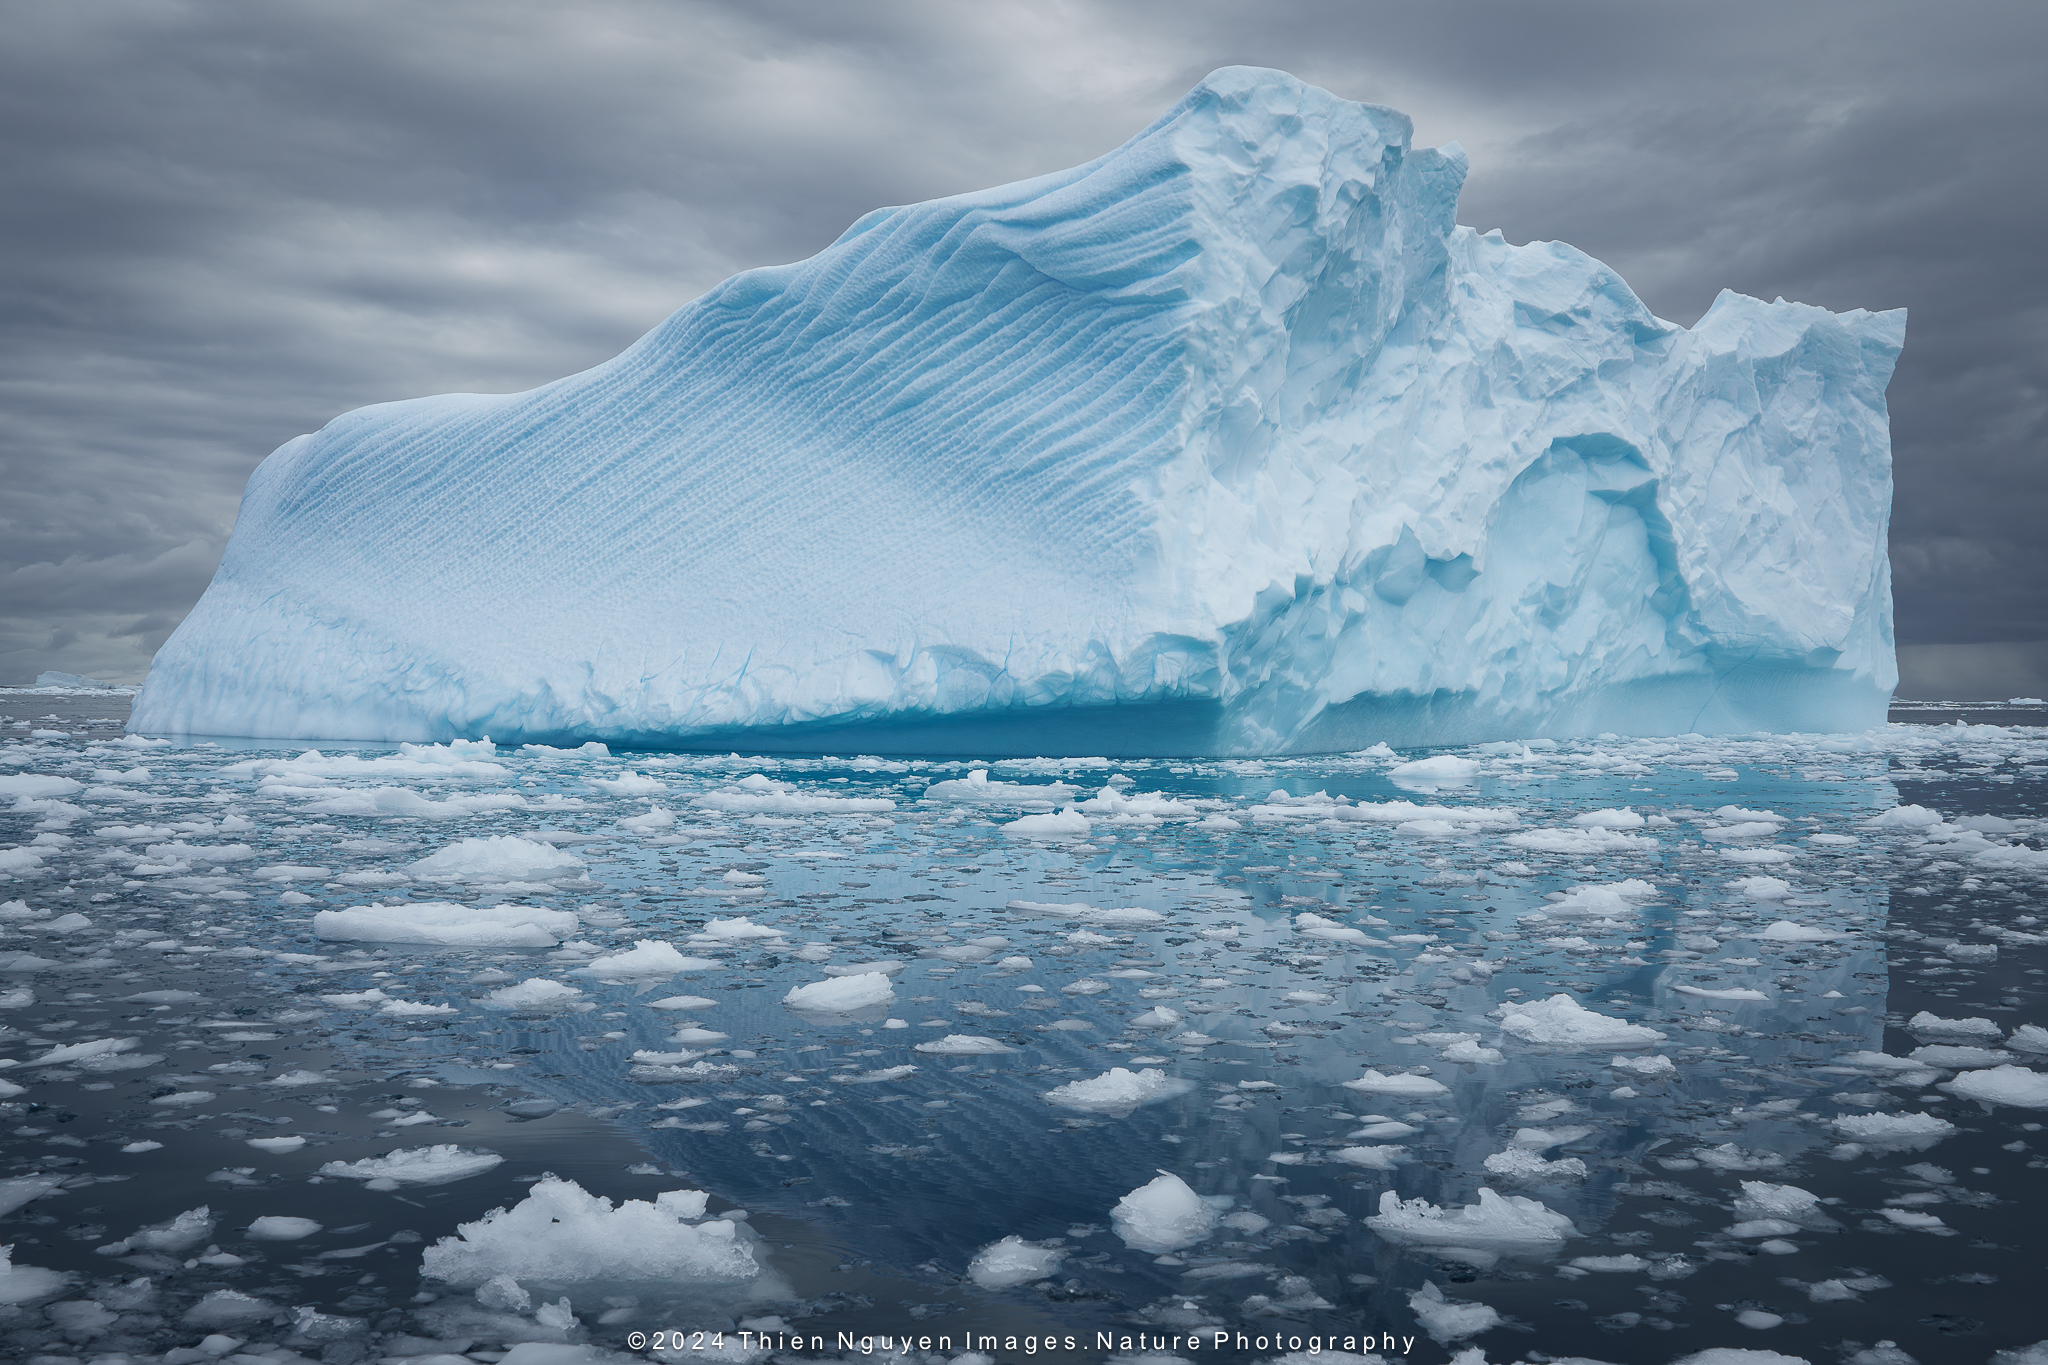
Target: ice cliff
1230 441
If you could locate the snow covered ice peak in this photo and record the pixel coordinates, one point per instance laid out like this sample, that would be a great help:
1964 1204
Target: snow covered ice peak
1229 441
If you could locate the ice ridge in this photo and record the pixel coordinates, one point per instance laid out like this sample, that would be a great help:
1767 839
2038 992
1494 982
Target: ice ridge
1230 441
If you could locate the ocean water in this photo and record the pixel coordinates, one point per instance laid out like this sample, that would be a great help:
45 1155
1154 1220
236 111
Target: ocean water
1331 997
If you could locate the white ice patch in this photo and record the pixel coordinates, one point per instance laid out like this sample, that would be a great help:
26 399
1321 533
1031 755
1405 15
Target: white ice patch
437 1165
1562 1022
1163 1215
448 924
1118 1092
498 858
560 1233
1013 1261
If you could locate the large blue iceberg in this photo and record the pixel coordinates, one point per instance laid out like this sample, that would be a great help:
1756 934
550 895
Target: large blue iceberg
1230 441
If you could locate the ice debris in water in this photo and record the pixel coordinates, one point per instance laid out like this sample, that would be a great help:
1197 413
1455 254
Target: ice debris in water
536 993
2018 1086
1448 1320
561 1233
1503 1221
1118 1092
1409 1087
498 858
27 1283
1286 414
842 994
1562 1022
1163 1215
436 1165
448 924
1012 1261
646 958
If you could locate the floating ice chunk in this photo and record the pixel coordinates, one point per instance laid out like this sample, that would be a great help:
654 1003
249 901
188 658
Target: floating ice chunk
977 787
413 1009
22 1189
1449 1320
2018 1086
188 1229
1528 1164
1382 1157
1118 1092
1163 1215
498 858
1612 1265
1786 931
2028 1038
590 749
278 1228
1928 1025
1603 900
1158 1017
1761 1199
758 795
962 1045
653 822
630 784
1958 1056
682 1002
1906 818
737 929
1330 931
228 1308
534 994
24 1284
1013 1261
74 1053
1609 819
1409 1087
1894 1132
437 1165
1727 993
1580 842
277 1146
448 924
1762 888
1065 824
647 958
299 1077
1646 1066
1123 916
1562 1022
1506 1222
1142 807
560 1233
842 994
1471 1053
37 786
1434 774
402 801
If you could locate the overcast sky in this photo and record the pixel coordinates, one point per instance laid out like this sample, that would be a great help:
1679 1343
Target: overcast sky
223 222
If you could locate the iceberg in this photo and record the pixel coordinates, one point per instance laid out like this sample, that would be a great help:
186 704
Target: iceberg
1230 441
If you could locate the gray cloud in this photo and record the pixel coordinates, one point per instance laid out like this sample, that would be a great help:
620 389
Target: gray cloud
227 223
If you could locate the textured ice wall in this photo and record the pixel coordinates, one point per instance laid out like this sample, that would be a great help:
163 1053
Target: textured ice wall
1230 441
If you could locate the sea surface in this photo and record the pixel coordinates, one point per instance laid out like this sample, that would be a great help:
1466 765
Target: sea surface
1342 974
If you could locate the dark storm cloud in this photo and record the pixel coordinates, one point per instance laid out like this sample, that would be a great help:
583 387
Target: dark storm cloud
224 223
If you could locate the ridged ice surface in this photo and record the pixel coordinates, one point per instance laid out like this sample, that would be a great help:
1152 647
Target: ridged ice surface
1230 441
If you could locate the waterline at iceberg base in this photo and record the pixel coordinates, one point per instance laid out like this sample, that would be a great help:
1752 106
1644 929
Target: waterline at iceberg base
1228 442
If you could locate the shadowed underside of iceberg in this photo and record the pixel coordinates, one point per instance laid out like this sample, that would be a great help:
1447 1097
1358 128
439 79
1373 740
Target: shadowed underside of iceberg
1228 442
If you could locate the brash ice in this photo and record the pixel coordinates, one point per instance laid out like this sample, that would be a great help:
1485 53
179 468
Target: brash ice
1230 441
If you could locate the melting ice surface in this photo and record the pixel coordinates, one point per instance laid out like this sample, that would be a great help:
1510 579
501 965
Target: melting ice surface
1230 441
1614 1049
